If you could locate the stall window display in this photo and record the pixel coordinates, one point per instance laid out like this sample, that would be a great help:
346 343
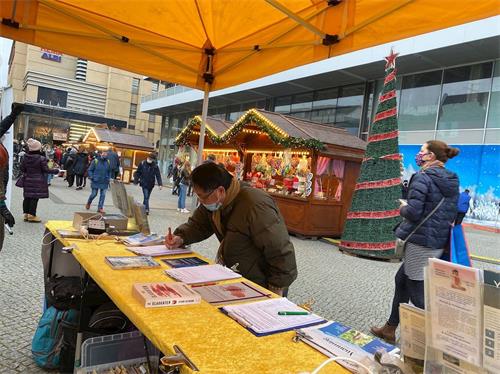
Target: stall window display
285 172
230 159
329 179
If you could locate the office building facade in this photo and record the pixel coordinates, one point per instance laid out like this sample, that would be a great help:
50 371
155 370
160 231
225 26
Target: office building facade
65 96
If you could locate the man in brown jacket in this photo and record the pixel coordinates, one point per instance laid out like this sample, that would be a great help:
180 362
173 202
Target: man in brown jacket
253 236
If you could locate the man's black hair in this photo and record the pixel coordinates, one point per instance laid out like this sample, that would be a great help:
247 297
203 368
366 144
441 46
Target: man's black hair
209 176
467 191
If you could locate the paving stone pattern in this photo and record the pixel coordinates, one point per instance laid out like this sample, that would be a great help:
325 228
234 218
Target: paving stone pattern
348 289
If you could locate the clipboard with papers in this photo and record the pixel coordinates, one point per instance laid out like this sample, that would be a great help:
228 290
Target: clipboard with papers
261 318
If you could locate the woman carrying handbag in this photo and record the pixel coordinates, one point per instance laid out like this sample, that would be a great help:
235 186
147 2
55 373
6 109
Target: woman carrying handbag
428 216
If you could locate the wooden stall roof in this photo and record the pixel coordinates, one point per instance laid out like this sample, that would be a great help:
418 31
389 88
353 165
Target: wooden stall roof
302 128
220 130
119 139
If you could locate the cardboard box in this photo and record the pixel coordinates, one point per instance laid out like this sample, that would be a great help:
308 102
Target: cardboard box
118 221
81 218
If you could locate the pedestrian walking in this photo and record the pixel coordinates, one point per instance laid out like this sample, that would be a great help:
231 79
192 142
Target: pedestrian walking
65 156
252 233
80 166
51 165
34 179
69 167
114 161
6 217
176 175
462 206
184 182
58 155
99 173
146 174
432 196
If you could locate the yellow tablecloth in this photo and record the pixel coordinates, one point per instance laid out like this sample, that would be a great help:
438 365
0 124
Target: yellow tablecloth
213 341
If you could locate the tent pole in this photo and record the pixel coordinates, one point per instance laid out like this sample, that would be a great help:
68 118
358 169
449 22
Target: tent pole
204 113
201 141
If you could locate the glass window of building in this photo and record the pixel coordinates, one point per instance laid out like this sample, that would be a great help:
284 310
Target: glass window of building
152 118
135 85
283 104
261 104
304 115
133 110
419 101
349 107
302 102
234 112
326 98
465 97
154 87
494 108
323 115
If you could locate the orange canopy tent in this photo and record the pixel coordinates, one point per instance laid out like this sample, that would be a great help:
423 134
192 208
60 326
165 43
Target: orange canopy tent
212 44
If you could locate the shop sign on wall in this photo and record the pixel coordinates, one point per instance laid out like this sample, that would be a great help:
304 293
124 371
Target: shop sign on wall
48 54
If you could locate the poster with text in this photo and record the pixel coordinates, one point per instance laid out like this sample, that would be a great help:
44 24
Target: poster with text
455 310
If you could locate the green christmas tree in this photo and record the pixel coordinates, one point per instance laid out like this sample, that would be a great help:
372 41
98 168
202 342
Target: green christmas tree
375 205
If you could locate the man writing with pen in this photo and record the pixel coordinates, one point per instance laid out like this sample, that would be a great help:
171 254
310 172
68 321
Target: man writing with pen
253 236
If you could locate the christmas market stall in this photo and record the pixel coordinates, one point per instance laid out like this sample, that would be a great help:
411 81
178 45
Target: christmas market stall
132 149
310 169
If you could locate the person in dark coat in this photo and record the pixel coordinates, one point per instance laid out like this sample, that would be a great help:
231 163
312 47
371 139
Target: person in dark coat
176 177
146 174
114 161
64 157
99 174
69 165
432 185
6 216
80 166
462 206
252 233
34 168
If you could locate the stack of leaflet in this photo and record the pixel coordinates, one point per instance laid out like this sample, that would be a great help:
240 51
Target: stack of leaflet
202 274
336 340
271 316
143 240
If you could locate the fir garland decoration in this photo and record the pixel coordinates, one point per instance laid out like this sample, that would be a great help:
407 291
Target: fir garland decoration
277 135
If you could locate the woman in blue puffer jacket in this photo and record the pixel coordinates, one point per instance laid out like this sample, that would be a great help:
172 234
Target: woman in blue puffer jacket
431 184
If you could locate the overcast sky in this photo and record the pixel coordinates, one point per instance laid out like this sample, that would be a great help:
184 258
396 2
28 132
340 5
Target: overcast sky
4 60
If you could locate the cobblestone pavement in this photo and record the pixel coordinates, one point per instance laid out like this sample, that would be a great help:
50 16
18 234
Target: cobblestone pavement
348 289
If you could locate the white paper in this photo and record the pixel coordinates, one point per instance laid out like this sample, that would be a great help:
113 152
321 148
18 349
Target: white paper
412 329
262 316
158 250
455 310
202 274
